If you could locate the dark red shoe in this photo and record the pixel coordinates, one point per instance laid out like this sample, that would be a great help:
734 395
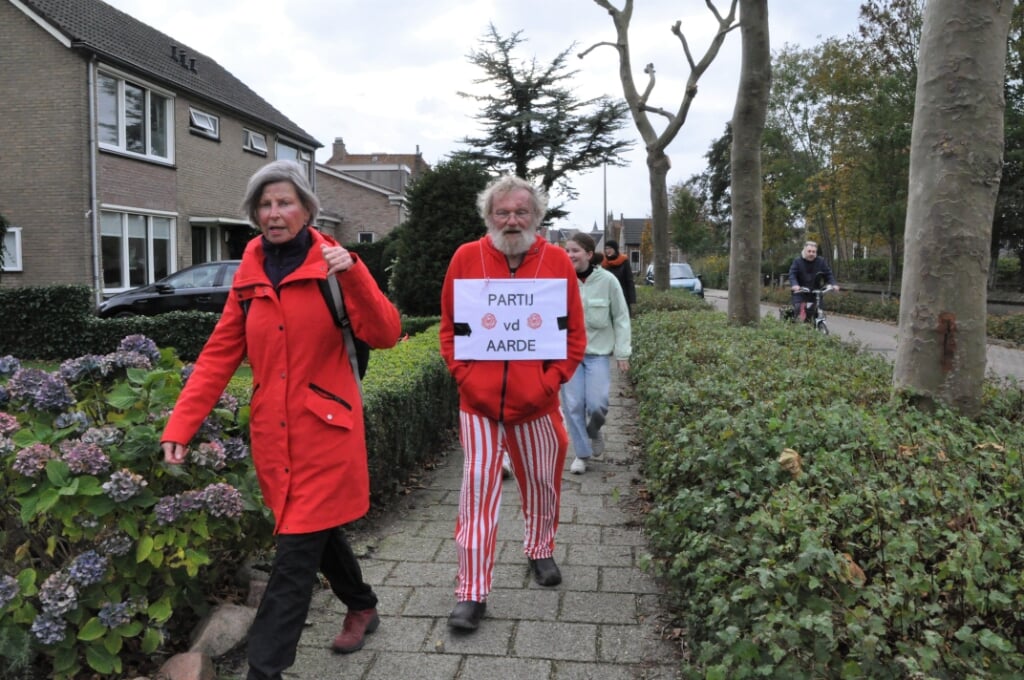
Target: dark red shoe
354 631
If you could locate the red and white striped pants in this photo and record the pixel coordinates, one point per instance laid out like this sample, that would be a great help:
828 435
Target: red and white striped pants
537 451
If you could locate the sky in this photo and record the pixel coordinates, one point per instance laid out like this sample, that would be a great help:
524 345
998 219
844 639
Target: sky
385 75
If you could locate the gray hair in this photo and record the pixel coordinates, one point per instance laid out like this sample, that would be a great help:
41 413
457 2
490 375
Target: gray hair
507 184
279 171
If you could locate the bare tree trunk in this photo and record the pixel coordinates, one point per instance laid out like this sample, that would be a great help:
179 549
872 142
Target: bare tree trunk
657 160
955 166
748 120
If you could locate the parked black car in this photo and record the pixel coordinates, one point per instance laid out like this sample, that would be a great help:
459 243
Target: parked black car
680 275
201 287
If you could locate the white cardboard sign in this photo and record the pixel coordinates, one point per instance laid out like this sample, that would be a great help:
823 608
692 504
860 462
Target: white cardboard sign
509 319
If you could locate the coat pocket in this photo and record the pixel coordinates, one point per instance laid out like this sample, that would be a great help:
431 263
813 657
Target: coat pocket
329 407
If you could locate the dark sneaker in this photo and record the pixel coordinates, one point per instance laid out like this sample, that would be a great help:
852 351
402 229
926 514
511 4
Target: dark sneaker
467 615
545 571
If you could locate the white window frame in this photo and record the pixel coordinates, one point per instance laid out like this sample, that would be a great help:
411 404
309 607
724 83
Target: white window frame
255 142
149 110
12 250
203 123
287 150
124 214
360 237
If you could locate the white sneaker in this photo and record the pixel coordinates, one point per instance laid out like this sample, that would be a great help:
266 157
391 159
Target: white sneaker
506 467
578 467
597 445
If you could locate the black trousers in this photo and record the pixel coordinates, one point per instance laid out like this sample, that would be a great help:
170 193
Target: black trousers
275 632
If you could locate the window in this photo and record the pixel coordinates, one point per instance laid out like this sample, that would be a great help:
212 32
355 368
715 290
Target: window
133 119
206 244
204 123
634 261
366 237
12 250
137 249
255 142
303 157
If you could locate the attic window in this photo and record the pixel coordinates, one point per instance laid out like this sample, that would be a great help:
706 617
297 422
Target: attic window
255 142
204 123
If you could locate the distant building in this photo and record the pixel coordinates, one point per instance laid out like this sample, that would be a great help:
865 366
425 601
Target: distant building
628 231
364 196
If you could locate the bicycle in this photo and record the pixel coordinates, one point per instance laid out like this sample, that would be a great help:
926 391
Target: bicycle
814 312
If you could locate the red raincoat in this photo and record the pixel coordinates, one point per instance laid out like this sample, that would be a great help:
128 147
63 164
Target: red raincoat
308 440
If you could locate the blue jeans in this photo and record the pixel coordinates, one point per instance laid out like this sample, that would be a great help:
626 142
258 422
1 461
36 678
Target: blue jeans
585 401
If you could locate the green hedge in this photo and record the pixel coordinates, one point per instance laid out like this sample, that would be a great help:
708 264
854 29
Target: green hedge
811 526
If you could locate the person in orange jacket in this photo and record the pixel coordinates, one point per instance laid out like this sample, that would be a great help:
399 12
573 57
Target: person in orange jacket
306 425
509 402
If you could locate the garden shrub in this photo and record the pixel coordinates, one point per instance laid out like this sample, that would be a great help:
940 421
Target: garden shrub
810 525
106 553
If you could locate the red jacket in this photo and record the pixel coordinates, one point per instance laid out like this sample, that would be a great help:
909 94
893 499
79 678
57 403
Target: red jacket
308 440
512 391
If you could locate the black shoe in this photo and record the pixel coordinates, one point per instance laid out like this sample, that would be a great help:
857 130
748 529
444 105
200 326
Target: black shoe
545 571
467 615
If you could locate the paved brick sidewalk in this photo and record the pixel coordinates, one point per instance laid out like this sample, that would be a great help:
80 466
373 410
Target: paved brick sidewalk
602 623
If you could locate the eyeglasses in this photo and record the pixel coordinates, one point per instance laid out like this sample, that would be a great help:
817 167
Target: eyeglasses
505 214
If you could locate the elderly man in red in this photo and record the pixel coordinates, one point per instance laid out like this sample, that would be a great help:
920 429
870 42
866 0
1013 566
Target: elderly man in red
509 374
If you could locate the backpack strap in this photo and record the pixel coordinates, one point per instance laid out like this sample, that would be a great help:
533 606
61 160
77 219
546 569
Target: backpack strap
341 318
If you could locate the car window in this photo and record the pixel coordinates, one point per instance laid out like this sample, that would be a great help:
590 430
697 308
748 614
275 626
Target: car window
193 277
228 273
680 271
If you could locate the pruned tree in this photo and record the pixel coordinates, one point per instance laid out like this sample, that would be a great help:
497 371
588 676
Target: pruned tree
655 143
748 121
955 166
534 125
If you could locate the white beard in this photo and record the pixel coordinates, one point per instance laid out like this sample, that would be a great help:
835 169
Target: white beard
513 244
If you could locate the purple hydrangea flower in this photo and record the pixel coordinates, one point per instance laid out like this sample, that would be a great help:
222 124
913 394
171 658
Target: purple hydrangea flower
58 594
103 436
124 484
186 372
141 345
210 429
6 445
9 365
75 420
5 396
8 424
126 359
84 458
116 544
223 500
88 568
87 366
9 590
31 460
210 455
236 449
49 629
228 402
114 614
42 390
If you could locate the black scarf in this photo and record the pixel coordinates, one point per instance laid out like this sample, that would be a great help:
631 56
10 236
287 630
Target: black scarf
582 276
281 259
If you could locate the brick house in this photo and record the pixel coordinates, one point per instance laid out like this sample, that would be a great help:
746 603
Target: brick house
628 231
125 152
364 195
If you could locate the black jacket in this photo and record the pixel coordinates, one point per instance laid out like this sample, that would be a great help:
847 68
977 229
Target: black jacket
802 272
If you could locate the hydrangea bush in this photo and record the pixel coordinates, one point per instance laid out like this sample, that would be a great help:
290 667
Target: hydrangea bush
103 546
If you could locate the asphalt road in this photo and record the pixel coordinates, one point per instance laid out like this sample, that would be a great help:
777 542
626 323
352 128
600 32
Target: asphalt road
881 337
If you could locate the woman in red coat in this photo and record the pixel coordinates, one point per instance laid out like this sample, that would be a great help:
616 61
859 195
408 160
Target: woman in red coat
308 443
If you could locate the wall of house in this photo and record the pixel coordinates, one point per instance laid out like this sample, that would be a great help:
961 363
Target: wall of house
44 169
361 209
